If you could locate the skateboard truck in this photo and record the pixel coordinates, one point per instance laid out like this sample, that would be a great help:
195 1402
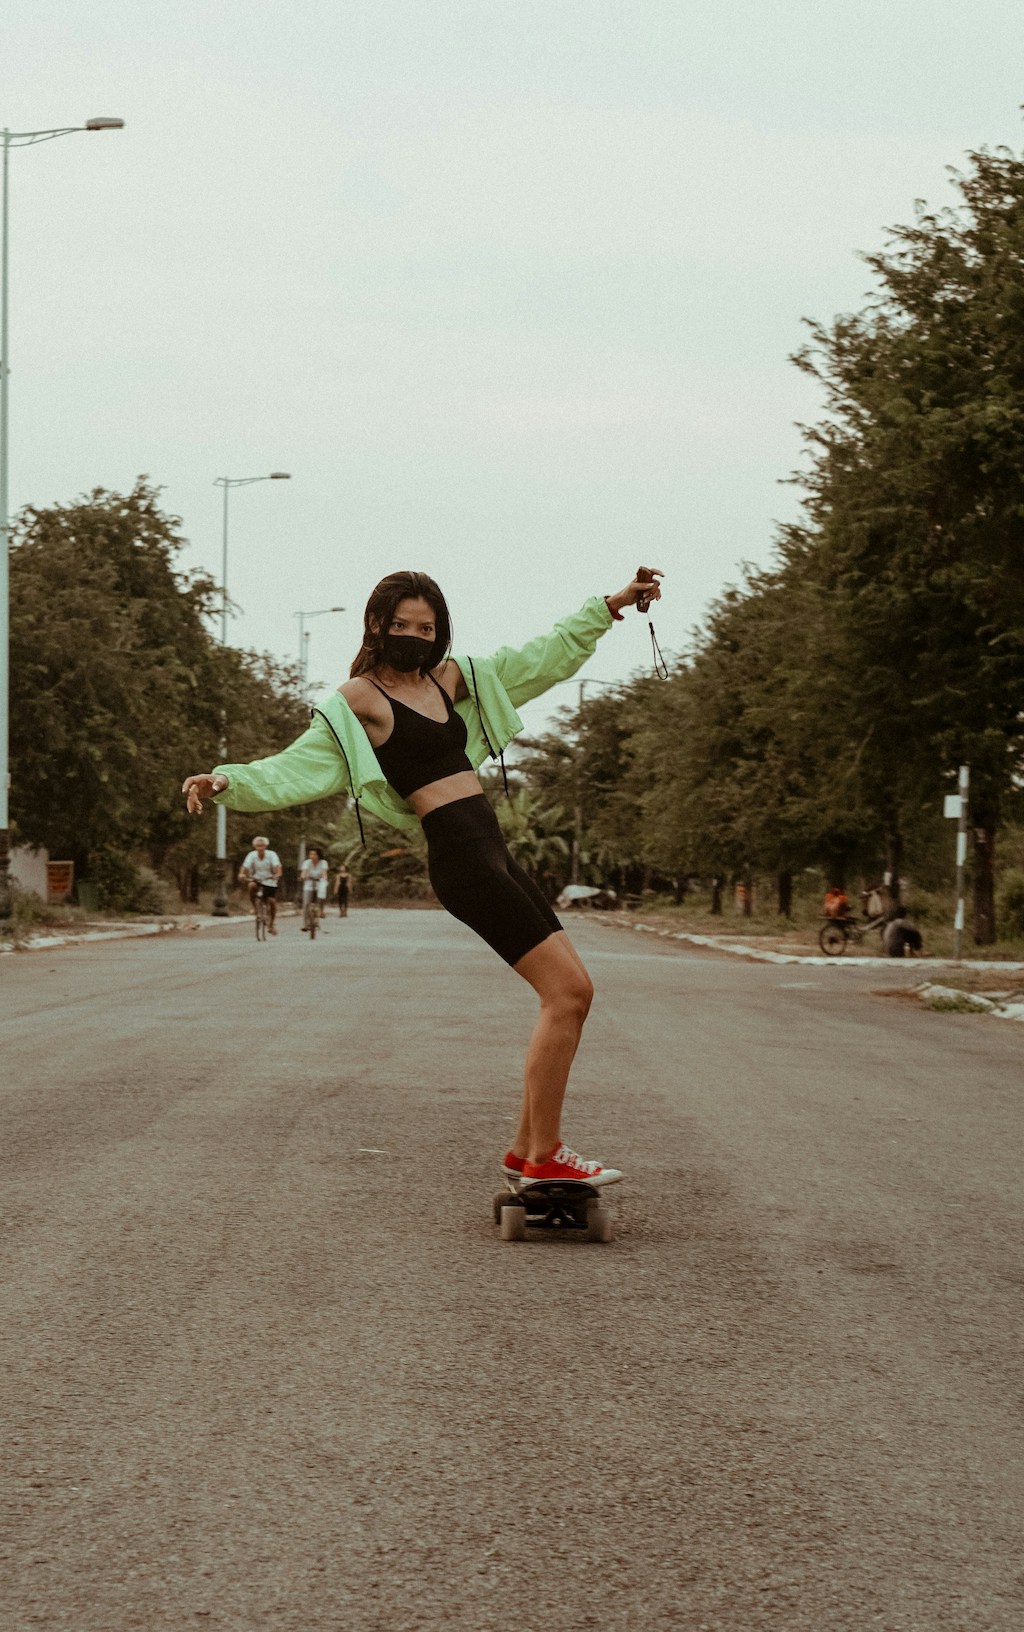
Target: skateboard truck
569 1205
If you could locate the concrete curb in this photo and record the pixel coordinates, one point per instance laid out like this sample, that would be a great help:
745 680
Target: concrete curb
763 955
118 932
951 998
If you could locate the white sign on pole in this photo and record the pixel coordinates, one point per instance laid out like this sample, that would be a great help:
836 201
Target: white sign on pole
951 806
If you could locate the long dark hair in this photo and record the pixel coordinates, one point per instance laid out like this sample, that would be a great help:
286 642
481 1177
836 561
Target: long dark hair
380 610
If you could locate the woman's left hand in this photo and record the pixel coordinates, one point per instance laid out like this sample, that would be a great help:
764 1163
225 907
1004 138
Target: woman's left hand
198 788
641 589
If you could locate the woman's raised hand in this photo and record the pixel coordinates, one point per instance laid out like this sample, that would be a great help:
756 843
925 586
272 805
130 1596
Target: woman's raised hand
198 788
641 589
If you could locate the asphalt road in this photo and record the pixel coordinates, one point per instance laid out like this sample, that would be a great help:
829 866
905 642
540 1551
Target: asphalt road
267 1365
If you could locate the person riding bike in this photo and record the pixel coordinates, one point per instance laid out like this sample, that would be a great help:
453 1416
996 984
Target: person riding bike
314 881
262 867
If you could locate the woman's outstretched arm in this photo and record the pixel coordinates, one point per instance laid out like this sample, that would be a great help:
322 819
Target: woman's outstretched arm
310 768
528 671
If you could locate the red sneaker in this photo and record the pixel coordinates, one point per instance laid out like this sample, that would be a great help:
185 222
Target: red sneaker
565 1165
512 1165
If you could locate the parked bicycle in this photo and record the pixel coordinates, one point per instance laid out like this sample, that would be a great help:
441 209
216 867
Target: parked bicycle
836 933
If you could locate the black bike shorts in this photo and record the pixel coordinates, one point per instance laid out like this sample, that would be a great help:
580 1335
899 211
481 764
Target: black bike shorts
477 881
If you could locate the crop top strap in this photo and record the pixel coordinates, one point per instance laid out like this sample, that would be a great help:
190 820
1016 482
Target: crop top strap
449 705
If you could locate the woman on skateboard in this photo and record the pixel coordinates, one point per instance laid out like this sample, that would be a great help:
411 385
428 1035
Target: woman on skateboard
405 735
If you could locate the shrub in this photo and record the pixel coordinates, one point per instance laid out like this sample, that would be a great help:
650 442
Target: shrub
121 886
27 907
115 877
150 894
29 910
1010 902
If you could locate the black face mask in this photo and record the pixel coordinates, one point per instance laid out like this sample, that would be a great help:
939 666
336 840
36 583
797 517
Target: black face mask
407 652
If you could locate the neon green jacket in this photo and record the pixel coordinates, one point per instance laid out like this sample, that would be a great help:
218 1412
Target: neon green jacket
334 755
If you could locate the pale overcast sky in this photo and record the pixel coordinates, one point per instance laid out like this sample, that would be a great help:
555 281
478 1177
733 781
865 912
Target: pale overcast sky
508 286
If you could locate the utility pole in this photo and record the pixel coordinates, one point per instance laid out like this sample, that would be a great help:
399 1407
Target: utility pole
961 859
220 900
577 835
10 139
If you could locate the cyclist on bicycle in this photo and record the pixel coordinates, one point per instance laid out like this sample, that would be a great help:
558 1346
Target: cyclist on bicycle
262 869
314 881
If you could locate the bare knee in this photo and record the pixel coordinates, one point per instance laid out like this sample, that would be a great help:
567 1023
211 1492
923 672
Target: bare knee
572 998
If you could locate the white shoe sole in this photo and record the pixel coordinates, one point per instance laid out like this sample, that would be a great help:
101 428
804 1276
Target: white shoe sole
607 1175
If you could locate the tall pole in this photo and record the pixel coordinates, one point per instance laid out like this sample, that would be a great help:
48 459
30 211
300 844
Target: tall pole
9 139
961 860
220 900
577 833
5 618
304 633
303 652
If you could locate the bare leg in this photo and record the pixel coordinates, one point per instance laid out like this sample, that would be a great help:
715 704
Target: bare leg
557 975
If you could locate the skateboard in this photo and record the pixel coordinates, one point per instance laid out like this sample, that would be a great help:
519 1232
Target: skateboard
554 1204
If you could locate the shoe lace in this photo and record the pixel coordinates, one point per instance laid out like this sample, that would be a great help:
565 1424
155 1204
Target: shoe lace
570 1158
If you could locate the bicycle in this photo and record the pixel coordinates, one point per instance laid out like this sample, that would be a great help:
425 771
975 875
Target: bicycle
259 907
835 932
310 912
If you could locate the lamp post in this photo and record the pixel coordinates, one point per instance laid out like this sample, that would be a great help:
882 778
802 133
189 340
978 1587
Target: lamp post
304 639
577 815
220 900
323 612
9 139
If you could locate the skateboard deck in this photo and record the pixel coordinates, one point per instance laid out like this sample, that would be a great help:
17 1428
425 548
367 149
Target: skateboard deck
569 1205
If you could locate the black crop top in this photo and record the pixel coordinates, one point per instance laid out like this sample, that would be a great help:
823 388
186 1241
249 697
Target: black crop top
421 750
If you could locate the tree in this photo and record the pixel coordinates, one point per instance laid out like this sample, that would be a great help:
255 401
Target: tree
915 494
117 683
535 835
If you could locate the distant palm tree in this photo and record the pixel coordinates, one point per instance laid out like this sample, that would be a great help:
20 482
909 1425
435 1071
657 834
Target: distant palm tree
530 830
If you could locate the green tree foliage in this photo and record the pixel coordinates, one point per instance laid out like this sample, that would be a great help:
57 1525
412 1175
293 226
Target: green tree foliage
389 865
826 703
915 497
118 687
534 833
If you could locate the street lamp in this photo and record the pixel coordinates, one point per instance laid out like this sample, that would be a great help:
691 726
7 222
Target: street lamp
577 818
323 612
220 901
304 638
9 139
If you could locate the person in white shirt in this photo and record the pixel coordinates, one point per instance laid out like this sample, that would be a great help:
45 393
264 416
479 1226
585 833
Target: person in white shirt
314 879
262 867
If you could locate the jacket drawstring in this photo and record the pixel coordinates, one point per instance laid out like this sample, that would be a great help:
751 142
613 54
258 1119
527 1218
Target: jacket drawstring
351 779
499 757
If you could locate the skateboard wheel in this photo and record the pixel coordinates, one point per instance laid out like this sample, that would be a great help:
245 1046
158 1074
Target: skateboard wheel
513 1222
599 1221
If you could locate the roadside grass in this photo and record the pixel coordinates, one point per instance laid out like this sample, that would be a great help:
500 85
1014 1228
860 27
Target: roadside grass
30 913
